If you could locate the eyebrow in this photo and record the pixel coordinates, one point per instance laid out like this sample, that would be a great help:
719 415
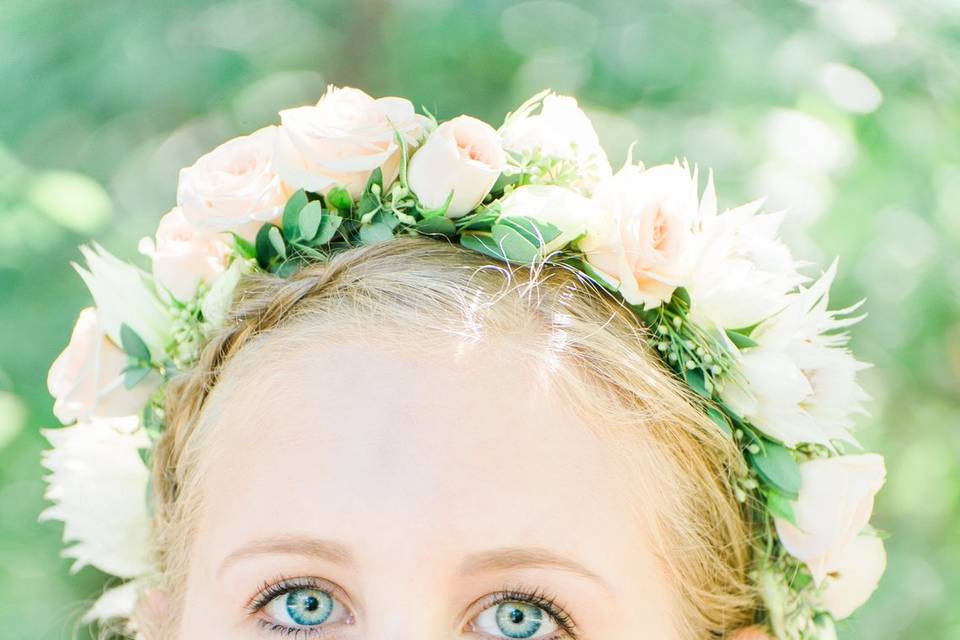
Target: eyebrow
307 547
500 559
506 558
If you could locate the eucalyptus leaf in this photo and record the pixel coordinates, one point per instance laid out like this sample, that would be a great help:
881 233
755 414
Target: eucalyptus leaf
291 214
780 506
328 228
778 468
133 345
437 226
482 243
276 241
309 221
697 381
375 232
515 245
286 268
376 178
720 420
535 231
132 376
264 246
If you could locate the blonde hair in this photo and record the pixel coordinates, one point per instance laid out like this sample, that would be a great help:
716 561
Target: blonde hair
415 286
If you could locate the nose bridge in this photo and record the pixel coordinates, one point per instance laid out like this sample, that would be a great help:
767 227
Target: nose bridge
409 611
407 594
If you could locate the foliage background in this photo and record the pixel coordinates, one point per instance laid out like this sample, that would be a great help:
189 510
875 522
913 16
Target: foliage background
845 110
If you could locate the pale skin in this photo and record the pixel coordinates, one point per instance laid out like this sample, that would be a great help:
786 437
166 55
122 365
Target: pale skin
399 491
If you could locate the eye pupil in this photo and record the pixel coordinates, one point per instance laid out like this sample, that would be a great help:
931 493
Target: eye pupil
518 619
309 607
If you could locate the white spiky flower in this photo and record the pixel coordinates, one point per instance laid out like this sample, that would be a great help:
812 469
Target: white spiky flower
124 294
98 484
740 272
799 384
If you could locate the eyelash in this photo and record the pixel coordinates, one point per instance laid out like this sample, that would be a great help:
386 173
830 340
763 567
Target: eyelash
533 596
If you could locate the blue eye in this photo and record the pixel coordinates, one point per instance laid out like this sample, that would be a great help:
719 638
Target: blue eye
515 619
305 608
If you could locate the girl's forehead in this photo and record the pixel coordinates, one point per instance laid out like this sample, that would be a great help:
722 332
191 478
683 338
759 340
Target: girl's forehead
415 454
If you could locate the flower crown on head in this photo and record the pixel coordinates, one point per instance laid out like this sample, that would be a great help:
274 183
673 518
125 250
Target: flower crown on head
721 296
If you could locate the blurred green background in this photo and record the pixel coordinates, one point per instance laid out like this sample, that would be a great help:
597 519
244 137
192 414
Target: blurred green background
845 111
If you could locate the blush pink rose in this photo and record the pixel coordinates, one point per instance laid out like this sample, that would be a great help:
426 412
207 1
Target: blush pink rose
343 139
834 505
234 187
641 246
184 256
87 378
462 156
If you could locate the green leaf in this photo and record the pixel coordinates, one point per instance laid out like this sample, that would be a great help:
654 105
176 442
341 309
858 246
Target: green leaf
388 218
134 375
514 245
328 228
720 420
375 232
440 211
482 243
376 178
339 198
778 468
286 268
146 454
133 345
291 214
681 298
264 245
780 506
243 247
276 241
742 341
309 220
697 381
536 232
437 226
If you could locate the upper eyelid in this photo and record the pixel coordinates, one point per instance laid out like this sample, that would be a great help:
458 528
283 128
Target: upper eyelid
287 584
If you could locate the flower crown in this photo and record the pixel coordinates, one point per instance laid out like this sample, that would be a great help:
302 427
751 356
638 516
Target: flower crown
724 303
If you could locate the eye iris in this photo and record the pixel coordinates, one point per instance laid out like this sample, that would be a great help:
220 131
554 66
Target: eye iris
309 606
519 620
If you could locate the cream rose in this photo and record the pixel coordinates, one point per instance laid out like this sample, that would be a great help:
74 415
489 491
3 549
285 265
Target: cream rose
343 139
462 155
854 579
641 247
234 187
184 256
834 505
570 212
87 378
561 130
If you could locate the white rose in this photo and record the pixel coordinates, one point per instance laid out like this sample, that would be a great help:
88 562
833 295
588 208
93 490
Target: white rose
570 212
98 484
462 155
87 378
124 294
184 256
641 247
234 187
343 139
561 130
855 578
834 505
